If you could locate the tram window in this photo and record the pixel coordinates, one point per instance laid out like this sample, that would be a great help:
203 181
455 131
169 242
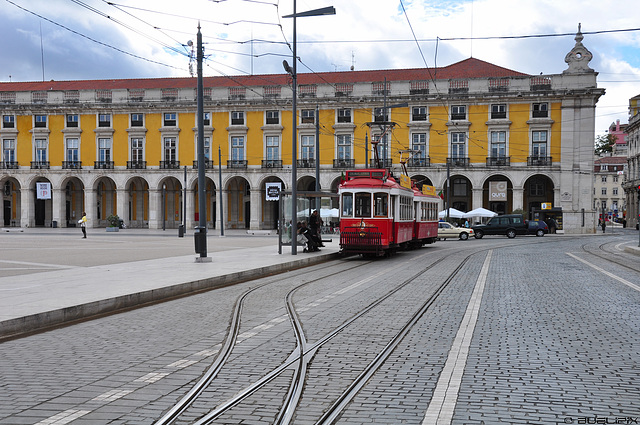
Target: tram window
380 204
363 205
347 205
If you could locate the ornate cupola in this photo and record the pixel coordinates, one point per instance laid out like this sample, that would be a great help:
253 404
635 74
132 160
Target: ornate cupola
579 57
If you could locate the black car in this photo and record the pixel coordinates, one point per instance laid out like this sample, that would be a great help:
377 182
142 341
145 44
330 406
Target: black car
537 227
509 225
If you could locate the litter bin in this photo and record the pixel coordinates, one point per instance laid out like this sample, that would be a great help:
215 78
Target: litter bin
199 237
121 224
54 224
181 231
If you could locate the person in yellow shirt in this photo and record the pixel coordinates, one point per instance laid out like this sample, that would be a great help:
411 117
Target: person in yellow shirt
83 225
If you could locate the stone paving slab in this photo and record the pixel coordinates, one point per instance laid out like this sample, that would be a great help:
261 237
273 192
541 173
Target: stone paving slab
32 299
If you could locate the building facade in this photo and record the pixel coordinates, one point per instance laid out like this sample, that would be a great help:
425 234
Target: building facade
503 140
632 177
608 192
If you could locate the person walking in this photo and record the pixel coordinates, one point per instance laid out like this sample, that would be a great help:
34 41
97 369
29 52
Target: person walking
83 225
604 225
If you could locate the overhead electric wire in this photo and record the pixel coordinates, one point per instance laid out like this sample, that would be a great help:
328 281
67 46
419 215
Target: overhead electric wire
93 39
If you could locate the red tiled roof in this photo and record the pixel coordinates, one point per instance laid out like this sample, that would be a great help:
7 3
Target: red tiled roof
611 160
468 68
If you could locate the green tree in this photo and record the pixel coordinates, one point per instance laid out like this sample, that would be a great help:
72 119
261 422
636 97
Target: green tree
605 144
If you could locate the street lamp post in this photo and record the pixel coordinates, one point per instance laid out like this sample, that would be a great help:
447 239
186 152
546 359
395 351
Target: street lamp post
294 142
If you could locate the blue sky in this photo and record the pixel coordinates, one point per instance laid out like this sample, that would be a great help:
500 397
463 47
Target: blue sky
368 34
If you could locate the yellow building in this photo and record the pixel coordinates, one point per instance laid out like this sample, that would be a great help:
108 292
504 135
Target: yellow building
503 140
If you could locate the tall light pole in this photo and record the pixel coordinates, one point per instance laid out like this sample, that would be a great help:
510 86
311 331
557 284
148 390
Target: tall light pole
294 141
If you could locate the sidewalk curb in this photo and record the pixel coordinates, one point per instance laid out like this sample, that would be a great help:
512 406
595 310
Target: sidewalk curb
40 322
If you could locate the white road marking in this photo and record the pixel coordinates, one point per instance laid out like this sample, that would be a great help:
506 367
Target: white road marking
611 275
445 396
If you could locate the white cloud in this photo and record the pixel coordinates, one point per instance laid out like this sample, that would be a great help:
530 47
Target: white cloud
363 32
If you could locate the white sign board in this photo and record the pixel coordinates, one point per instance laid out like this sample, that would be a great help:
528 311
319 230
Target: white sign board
272 191
43 190
498 191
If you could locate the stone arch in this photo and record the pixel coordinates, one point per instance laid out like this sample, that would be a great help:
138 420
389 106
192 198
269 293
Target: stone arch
11 202
73 201
238 203
460 192
537 189
269 211
137 202
106 201
211 202
497 194
169 205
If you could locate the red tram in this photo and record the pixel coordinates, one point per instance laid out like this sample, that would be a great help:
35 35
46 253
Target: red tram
380 215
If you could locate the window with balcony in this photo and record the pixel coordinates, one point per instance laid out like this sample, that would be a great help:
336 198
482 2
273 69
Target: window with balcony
8 152
308 147
237 148
73 151
170 149
458 112
419 149
137 120
104 120
41 151
540 110
104 150
539 144
40 121
170 119
458 145
308 116
137 150
498 111
8 121
419 113
344 115
498 144
273 148
272 117
344 148
237 118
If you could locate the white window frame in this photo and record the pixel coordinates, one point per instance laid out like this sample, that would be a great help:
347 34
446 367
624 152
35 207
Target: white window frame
272 147
9 150
41 145
170 119
133 148
105 149
69 148
237 148
8 119
344 146
170 146
104 118
455 136
307 146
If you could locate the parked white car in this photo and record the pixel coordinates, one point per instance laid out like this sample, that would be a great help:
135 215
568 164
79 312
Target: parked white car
447 230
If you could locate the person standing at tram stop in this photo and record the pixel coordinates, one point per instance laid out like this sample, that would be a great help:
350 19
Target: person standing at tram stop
604 225
83 225
315 224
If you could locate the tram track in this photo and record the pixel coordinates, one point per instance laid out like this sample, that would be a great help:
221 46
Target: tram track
301 357
601 251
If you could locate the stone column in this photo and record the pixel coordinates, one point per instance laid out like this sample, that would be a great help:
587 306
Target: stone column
90 207
27 211
256 209
155 212
122 206
58 206
190 200
518 198
221 217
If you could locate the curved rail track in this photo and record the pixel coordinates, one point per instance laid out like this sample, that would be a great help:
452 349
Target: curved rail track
304 352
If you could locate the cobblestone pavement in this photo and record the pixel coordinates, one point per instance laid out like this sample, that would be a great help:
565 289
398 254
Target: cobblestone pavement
538 336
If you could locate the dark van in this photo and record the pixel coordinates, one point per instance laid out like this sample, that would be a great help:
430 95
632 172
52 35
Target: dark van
509 225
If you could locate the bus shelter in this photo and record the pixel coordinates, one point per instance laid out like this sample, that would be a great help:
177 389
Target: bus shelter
307 202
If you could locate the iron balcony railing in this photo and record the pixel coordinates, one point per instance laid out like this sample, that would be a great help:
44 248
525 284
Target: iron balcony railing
39 165
172 164
9 165
498 161
237 163
136 165
306 163
458 162
539 161
103 165
344 163
271 163
418 162
71 165
208 164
